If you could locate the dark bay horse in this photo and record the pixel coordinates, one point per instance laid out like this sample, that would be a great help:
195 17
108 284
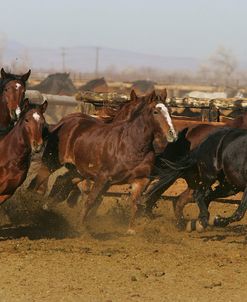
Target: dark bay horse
221 157
115 153
17 146
12 91
192 138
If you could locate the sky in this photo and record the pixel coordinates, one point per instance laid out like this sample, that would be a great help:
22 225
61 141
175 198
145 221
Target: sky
180 28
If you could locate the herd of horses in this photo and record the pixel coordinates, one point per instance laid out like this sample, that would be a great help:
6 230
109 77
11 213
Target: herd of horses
139 144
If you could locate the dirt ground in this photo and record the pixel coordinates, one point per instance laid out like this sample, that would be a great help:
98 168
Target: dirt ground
44 258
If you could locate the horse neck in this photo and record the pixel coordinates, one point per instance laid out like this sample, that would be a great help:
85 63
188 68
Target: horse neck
5 119
141 130
18 138
125 112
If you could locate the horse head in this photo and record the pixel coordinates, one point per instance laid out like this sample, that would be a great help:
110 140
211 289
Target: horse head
34 123
12 91
159 114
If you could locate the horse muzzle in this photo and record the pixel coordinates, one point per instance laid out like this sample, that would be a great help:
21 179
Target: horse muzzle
171 136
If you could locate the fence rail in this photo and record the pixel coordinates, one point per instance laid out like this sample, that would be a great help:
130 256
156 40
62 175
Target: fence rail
116 98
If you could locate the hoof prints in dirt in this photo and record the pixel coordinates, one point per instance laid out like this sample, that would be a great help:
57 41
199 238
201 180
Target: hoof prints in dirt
48 225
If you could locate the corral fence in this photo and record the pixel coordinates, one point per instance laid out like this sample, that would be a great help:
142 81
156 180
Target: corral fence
89 102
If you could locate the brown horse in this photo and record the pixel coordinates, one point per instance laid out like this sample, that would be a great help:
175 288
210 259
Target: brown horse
115 153
16 148
12 91
50 160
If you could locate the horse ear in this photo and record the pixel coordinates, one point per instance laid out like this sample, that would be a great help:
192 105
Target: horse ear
25 76
25 105
3 74
133 96
152 96
164 94
43 106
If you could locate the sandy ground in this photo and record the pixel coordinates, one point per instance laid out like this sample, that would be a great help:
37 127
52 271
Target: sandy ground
43 258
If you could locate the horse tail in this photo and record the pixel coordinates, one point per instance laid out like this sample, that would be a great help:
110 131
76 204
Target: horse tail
169 172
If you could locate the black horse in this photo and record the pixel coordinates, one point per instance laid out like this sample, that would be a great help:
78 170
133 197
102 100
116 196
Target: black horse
221 157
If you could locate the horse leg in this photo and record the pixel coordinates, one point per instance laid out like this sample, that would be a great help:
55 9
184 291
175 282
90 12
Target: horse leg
138 186
3 198
223 189
151 202
99 188
79 187
183 199
49 163
153 198
73 196
85 185
200 224
236 216
40 182
64 184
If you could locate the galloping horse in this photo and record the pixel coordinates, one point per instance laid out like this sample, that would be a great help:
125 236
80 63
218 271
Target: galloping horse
12 91
16 148
115 153
50 160
192 138
221 157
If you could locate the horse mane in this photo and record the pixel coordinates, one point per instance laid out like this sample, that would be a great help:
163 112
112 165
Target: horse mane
6 130
137 110
10 77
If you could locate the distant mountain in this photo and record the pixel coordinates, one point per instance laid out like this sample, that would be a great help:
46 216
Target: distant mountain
83 59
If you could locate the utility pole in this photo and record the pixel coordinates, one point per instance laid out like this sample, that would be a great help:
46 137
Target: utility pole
63 54
97 62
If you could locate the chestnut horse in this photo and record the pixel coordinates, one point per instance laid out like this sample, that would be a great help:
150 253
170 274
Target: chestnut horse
17 146
50 161
12 91
115 153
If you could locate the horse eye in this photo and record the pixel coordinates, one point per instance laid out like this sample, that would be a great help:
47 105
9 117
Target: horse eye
26 120
156 111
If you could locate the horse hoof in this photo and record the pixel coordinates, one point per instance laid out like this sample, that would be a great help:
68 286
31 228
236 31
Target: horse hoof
199 227
217 220
191 226
131 232
220 221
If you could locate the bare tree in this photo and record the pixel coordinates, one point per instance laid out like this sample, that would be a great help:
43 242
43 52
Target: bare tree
220 67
